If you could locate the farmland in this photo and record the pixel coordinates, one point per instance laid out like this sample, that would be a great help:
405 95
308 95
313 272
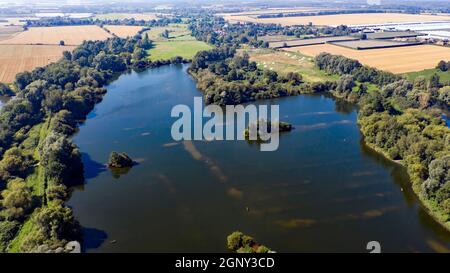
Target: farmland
338 19
7 32
71 35
176 32
284 62
371 44
120 16
180 43
169 49
396 60
123 31
313 41
19 58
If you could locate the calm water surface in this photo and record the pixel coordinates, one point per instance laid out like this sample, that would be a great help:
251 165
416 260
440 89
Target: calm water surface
322 191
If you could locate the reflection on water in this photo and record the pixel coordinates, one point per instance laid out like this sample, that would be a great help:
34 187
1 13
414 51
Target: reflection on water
323 190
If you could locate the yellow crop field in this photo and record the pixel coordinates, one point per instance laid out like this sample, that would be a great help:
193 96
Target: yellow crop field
19 58
395 60
338 19
123 31
71 35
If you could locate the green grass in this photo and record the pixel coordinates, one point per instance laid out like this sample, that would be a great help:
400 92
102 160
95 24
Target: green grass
30 146
445 76
170 49
180 43
27 227
179 32
285 62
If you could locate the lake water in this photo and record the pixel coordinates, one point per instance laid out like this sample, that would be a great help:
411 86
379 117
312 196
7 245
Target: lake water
323 190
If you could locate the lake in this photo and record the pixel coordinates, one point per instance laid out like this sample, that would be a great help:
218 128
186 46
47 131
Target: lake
323 190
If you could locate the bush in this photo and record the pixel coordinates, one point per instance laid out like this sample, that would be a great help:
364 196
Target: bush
119 160
16 199
8 230
234 240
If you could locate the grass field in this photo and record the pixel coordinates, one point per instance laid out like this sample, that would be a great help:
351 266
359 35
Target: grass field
396 60
19 58
169 49
180 43
284 62
176 32
120 16
338 19
123 31
444 76
71 35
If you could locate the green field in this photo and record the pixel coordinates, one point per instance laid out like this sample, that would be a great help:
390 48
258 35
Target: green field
445 76
285 62
170 49
176 32
180 43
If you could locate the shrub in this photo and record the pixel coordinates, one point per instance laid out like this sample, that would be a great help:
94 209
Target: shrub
234 240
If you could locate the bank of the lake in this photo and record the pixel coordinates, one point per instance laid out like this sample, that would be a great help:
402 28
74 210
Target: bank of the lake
324 190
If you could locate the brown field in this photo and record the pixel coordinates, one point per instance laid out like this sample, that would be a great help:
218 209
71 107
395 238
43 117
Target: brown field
396 59
7 32
19 58
123 31
136 16
339 19
71 35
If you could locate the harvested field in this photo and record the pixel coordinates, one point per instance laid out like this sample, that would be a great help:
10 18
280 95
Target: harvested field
19 58
314 41
7 32
120 16
396 60
123 31
71 35
339 19
372 44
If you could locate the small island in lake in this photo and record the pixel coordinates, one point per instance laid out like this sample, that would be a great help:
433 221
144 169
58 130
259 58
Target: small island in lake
238 242
281 125
120 160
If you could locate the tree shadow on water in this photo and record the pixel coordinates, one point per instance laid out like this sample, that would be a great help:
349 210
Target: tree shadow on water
92 168
92 238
